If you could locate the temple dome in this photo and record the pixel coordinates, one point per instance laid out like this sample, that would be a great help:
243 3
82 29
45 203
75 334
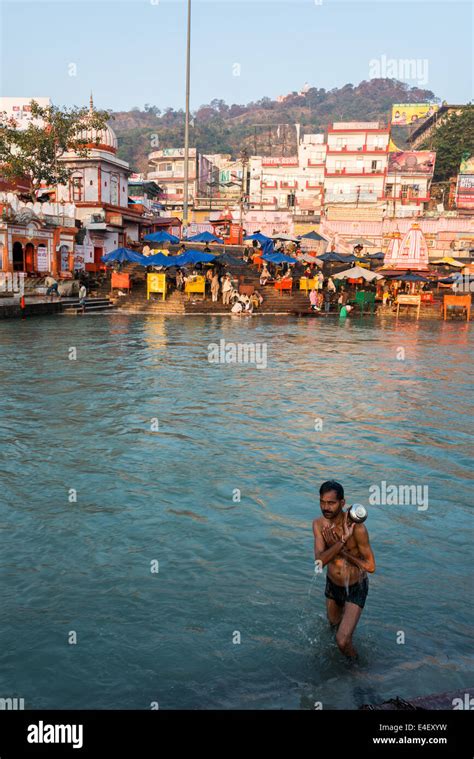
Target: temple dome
100 139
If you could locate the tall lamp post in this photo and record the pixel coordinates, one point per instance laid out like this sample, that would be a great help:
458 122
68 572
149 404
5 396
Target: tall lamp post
186 124
244 159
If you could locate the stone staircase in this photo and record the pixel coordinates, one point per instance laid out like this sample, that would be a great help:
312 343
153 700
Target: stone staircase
72 306
137 303
180 303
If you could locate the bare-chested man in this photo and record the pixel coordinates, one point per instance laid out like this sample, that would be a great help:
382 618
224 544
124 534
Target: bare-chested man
344 546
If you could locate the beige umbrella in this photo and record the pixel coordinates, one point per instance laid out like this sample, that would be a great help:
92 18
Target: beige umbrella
448 261
357 272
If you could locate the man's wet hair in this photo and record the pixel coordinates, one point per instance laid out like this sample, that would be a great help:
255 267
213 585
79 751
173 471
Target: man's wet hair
332 485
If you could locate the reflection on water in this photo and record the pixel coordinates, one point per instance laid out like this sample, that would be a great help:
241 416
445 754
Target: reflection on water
222 496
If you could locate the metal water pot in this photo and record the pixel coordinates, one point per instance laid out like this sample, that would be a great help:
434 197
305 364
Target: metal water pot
358 513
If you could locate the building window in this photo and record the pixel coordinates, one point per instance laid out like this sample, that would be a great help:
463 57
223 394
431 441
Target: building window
76 189
114 193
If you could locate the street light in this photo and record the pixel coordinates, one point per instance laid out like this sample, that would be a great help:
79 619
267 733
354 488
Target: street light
186 123
244 159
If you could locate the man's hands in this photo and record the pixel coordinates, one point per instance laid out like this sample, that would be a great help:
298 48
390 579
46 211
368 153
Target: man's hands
331 537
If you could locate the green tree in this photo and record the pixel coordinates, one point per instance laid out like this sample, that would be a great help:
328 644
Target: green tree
35 152
452 140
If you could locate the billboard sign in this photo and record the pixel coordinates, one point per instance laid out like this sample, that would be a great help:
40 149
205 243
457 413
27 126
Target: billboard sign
411 162
177 152
465 191
404 114
280 161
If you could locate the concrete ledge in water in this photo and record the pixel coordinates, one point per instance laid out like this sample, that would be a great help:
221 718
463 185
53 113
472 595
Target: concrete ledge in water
14 310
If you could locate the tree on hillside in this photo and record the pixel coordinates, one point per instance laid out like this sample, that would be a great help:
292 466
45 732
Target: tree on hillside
34 152
453 140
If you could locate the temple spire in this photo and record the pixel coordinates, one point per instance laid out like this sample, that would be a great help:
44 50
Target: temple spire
91 105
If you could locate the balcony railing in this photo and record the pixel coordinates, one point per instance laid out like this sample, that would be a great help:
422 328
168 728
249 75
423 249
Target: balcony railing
169 175
261 201
351 197
407 199
355 172
357 149
170 196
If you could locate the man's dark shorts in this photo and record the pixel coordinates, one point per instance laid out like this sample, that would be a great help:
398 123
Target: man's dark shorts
355 594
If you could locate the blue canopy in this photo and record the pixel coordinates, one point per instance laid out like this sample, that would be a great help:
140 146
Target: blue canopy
378 255
278 258
268 247
188 257
457 277
410 276
161 236
448 280
258 236
204 237
313 236
227 259
340 258
197 257
122 255
158 259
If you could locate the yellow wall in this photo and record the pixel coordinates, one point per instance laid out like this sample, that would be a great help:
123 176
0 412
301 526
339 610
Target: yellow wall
302 229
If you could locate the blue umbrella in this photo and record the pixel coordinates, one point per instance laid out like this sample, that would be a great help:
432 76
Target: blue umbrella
313 236
258 236
226 259
197 257
448 280
189 257
158 259
204 237
340 258
161 236
123 255
409 277
457 277
278 258
268 247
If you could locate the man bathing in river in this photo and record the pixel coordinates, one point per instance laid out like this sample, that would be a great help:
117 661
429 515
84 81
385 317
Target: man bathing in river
344 546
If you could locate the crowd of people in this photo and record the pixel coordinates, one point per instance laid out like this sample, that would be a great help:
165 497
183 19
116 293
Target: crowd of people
326 294
221 285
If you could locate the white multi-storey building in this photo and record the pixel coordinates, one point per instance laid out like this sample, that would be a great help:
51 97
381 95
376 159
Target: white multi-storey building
167 169
356 163
289 182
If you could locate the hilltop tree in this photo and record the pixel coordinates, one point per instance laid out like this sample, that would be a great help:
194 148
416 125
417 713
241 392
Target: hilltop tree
453 140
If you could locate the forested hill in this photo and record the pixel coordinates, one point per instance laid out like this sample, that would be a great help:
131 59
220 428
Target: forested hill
264 127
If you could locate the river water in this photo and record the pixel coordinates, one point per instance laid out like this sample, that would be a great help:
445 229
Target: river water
156 510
